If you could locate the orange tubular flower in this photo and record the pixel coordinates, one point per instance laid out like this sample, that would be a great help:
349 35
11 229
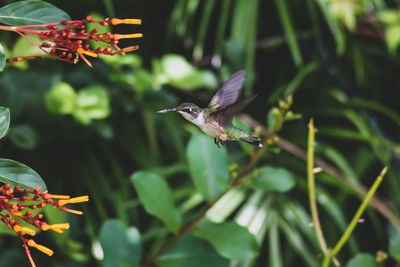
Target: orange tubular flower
67 40
13 214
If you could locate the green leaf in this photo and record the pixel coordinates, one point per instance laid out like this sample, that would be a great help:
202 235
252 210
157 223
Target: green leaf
272 179
14 173
208 165
191 251
231 240
2 58
388 16
4 121
23 48
362 260
178 72
334 26
394 246
31 12
61 99
288 28
120 244
226 205
24 137
392 35
92 103
157 198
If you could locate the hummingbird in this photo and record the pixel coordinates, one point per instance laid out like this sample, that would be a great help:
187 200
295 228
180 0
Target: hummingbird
216 119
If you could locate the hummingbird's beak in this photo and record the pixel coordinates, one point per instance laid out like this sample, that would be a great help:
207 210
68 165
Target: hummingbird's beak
166 110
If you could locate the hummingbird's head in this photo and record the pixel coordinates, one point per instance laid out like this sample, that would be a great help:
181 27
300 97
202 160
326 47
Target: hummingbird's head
189 111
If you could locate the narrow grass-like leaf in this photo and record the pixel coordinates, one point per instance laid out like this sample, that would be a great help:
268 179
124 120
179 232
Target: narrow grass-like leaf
4 121
273 179
202 31
333 24
289 31
16 173
344 133
193 252
31 12
120 245
340 161
231 240
221 28
157 198
2 58
275 258
244 34
208 165
297 243
375 105
226 205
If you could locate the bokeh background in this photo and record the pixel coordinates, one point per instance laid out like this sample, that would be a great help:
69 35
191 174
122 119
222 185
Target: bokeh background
338 59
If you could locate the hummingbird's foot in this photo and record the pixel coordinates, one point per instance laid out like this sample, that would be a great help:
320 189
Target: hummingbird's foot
218 141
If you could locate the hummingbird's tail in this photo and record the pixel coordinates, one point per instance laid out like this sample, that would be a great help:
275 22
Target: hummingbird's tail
252 140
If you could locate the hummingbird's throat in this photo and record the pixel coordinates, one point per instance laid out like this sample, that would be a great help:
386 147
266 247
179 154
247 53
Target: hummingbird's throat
195 118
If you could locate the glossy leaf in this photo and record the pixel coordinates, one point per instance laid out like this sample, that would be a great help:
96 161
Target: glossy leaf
2 58
120 244
14 173
208 165
273 179
4 121
157 199
231 240
362 260
193 252
31 12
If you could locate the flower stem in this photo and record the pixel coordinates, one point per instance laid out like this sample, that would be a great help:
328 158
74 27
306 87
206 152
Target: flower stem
311 188
355 219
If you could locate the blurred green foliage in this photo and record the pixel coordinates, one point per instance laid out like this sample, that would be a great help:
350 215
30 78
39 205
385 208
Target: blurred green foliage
95 131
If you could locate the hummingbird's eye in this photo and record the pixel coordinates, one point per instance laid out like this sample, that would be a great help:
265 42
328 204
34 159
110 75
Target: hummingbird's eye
187 110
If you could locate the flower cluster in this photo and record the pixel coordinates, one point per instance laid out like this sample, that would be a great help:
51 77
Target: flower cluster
67 40
16 207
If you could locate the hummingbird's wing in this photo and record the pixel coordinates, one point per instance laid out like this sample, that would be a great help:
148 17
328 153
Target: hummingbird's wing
228 93
225 115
